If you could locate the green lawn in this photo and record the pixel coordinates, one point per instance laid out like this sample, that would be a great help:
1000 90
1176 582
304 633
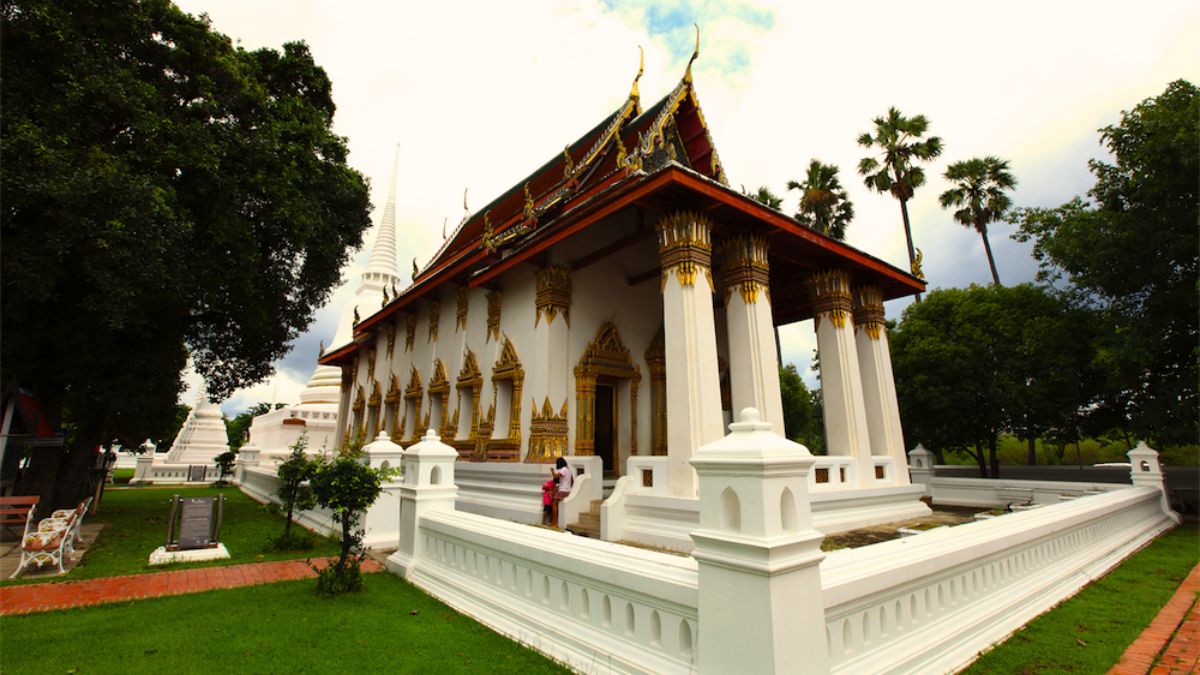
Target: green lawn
137 524
123 476
1089 632
273 628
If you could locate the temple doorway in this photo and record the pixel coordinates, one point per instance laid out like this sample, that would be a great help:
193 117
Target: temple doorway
606 426
606 384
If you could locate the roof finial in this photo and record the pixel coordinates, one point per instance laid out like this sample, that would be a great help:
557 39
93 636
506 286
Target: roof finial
687 76
444 221
633 91
466 211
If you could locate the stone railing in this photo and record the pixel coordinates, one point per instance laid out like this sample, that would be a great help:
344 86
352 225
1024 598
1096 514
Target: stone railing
513 491
931 602
147 470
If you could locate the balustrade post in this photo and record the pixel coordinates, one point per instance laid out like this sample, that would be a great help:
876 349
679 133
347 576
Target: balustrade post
760 607
428 485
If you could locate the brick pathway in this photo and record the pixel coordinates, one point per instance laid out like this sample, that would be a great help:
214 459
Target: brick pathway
46 597
1177 628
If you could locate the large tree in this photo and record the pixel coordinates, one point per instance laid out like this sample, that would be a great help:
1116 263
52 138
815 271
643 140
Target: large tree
824 204
973 362
165 194
979 197
898 139
1131 251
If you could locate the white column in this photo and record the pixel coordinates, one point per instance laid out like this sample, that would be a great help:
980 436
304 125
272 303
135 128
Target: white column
693 387
879 387
760 607
547 379
846 431
428 485
753 370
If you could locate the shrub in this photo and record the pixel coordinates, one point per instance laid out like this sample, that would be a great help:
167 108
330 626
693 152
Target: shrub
224 463
294 494
347 487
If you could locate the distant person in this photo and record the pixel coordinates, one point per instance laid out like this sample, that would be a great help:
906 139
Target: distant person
549 488
566 480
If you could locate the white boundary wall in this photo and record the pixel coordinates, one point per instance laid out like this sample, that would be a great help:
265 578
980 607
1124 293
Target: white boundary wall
927 603
146 470
931 602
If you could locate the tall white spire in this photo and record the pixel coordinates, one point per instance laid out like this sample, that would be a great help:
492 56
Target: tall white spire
383 255
381 271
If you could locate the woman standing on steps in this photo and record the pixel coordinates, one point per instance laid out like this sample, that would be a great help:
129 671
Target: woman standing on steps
566 479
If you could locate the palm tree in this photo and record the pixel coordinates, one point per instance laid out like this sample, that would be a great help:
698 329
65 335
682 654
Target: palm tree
979 186
898 139
824 204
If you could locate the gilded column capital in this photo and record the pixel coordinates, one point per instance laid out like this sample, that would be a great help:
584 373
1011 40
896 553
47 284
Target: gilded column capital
868 310
553 294
685 246
744 261
830 293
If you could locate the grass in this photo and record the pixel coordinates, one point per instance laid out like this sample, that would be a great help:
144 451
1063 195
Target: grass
273 628
1088 632
123 476
137 524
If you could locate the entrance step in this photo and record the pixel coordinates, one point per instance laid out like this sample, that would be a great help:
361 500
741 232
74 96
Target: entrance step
589 522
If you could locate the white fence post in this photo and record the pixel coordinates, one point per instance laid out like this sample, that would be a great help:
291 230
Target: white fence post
1146 471
760 608
428 485
247 456
145 461
920 467
382 520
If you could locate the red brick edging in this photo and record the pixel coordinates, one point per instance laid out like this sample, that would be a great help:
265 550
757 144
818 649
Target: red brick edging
1180 618
47 597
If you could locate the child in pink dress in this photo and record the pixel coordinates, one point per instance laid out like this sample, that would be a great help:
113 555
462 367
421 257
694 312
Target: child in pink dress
548 490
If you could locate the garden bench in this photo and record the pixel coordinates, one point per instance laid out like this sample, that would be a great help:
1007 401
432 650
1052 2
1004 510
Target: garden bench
15 512
53 538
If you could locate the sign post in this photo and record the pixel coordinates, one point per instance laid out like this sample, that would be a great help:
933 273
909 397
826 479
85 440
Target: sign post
193 531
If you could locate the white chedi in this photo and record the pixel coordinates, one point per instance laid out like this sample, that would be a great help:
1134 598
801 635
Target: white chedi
202 436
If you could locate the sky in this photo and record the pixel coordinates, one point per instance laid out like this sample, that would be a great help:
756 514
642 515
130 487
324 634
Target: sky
478 94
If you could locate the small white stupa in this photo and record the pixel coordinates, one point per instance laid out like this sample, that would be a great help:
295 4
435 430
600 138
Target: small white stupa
193 455
273 433
202 436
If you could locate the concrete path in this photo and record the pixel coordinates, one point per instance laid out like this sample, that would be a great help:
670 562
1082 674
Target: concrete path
1171 643
47 597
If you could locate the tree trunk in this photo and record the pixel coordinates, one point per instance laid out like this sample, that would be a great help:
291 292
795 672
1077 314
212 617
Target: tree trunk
1032 451
60 476
987 247
912 256
979 458
341 563
993 458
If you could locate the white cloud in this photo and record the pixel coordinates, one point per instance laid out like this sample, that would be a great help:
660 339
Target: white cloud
480 94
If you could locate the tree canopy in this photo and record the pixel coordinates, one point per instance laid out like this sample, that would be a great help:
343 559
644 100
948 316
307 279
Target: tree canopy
970 363
166 194
1131 252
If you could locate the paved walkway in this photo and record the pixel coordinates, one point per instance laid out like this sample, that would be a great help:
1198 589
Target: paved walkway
1173 638
46 597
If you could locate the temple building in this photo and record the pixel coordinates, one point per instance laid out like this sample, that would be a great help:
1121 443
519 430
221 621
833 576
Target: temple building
619 302
316 415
